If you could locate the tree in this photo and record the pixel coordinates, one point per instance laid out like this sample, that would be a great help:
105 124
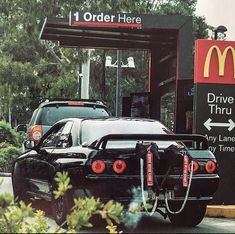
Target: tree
29 67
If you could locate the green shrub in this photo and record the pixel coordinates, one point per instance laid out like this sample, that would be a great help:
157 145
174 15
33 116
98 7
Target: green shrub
17 217
9 135
8 153
85 208
10 146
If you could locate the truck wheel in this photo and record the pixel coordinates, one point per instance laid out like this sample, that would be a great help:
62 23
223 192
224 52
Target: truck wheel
191 216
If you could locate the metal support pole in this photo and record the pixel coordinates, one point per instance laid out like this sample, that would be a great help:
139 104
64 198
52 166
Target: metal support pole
85 77
216 35
80 85
119 55
79 80
9 105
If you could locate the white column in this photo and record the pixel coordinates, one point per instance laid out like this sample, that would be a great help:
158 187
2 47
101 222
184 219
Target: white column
85 78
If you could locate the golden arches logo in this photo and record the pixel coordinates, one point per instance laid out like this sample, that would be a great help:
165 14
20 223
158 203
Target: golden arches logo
221 60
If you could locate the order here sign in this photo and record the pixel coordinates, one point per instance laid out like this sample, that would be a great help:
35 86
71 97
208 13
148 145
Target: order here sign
214 108
105 19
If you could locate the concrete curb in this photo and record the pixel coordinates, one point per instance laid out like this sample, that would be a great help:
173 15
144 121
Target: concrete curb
5 174
221 211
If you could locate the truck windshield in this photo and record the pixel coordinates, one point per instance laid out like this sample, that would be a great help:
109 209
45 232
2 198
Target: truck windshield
51 114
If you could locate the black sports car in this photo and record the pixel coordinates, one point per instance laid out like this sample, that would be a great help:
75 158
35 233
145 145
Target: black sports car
121 159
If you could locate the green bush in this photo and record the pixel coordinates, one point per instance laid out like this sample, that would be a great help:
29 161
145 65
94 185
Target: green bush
10 146
8 153
84 209
17 217
9 135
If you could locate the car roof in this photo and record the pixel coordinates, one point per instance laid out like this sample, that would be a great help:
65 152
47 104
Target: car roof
117 119
123 118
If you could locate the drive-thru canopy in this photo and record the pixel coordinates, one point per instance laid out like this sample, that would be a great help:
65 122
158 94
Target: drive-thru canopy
168 38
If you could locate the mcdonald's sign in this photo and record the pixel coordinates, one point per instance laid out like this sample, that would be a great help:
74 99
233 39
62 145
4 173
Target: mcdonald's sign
214 62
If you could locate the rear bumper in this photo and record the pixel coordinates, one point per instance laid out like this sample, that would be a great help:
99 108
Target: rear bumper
128 188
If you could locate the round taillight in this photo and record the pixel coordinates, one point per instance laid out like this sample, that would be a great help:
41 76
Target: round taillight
195 166
210 166
119 166
98 166
36 133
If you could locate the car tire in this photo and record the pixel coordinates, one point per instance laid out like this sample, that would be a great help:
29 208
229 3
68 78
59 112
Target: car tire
191 216
61 208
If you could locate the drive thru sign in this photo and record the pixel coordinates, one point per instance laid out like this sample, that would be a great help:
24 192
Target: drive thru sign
214 108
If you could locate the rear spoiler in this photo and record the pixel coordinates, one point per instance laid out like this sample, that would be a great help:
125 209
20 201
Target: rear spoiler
198 142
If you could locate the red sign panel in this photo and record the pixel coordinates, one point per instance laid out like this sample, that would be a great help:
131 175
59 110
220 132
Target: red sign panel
214 62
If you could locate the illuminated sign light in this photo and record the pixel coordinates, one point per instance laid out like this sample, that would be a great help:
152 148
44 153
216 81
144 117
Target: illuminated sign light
105 20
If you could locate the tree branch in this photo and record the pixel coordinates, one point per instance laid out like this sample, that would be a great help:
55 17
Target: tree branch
52 52
63 56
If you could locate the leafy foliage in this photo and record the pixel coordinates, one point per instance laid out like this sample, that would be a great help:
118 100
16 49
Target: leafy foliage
8 154
9 135
13 215
63 182
17 217
85 208
10 142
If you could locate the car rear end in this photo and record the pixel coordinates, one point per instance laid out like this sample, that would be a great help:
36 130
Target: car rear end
116 173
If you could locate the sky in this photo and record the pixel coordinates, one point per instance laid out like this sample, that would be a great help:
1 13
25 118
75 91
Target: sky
219 12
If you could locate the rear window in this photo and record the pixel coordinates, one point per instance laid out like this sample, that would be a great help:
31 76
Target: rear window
51 114
103 128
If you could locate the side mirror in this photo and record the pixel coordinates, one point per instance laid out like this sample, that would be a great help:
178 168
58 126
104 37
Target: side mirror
29 145
21 128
